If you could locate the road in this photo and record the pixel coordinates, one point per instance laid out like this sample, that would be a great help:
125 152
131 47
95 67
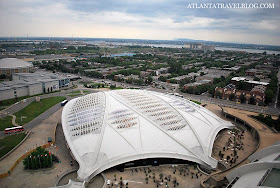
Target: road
44 115
201 98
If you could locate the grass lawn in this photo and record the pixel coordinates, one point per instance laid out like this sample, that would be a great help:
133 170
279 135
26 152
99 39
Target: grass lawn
5 123
9 142
116 88
86 82
74 95
34 109
76 91
86 91
199 103
9 102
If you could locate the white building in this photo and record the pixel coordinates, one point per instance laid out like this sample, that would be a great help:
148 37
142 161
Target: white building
263 171
106 129
28 84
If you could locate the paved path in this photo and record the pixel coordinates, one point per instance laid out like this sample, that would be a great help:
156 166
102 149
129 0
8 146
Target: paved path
47 113
38 178
267 137
14 120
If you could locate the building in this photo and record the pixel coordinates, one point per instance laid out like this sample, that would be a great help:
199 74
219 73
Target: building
198 83
263 171
9 66
107 129
236 80
258 73
230 92
28 84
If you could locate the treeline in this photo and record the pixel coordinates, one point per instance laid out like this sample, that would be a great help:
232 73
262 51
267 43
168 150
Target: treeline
70 49
272 88
269 121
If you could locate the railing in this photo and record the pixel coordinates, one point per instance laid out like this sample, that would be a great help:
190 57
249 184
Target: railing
256 135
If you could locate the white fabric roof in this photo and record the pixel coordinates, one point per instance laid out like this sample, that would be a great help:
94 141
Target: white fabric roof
13 63
109 128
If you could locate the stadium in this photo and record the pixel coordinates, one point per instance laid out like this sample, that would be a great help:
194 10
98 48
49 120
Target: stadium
108 129
9 66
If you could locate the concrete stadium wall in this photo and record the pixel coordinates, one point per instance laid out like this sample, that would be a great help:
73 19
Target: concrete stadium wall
264 152
255 134
251 167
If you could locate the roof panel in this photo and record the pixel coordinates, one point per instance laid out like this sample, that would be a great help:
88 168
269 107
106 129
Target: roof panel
123 125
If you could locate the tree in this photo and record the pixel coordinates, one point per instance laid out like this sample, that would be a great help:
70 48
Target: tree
150 80
232 97
268 96
243 85
252 100
256 79
40 158
242 98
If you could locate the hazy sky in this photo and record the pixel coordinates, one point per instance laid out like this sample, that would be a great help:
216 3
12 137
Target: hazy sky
140 19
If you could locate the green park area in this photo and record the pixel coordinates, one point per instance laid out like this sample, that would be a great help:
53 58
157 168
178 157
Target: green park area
9 102
5 123
34 109
30 112
9 142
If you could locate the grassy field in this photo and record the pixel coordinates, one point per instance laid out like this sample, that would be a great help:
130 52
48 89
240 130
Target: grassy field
9 142
199 103
5 123
86 82
75 95
9 102
34 109
76 91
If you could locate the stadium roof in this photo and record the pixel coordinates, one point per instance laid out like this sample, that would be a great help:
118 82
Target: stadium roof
13 63
263 171
106 129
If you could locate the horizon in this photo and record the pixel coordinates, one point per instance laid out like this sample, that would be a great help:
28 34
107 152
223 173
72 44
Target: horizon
171 40
143 20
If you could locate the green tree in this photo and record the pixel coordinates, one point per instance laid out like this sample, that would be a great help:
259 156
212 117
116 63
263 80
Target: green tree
242 98
232 96
268 96
252 100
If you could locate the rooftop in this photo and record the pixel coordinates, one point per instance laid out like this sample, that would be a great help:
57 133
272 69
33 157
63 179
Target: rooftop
109 128
13 63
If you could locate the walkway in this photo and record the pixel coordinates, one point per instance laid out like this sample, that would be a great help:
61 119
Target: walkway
14 120
267 137
38 178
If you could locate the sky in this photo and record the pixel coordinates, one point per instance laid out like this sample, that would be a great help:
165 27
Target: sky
140 19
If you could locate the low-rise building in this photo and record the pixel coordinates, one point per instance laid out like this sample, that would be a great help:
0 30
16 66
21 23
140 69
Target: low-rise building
231 93
28 84
198 83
